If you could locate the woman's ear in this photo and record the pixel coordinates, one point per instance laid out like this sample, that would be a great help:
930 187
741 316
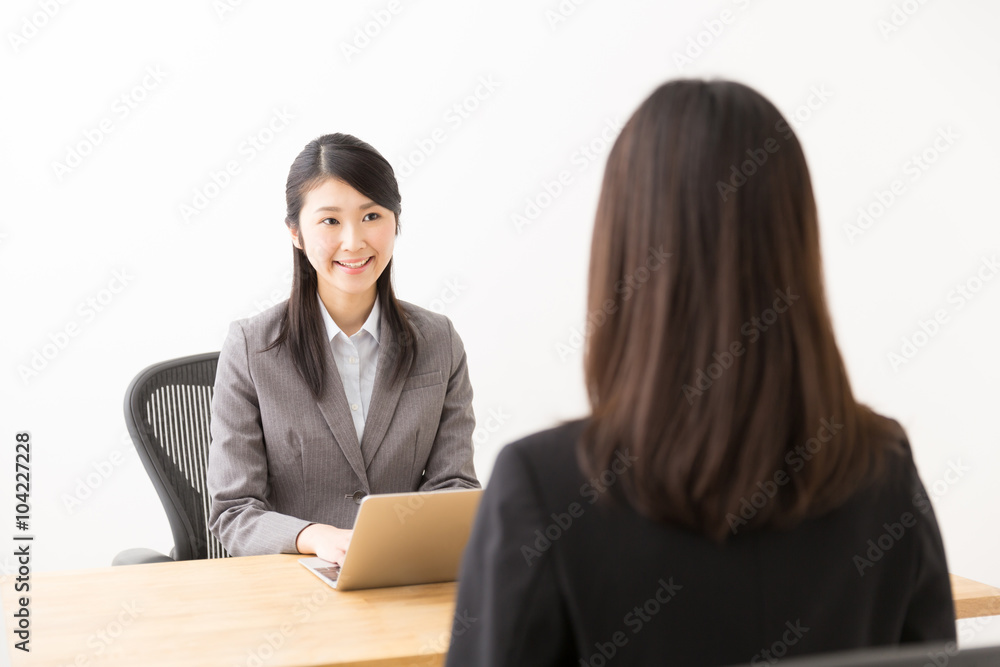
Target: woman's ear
295 237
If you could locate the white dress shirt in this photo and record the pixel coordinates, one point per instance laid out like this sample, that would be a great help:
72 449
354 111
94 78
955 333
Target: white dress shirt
357 358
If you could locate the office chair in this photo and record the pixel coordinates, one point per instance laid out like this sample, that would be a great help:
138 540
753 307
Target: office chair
907 655
168 410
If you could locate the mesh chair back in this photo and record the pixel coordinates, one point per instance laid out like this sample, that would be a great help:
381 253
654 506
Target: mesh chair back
168 411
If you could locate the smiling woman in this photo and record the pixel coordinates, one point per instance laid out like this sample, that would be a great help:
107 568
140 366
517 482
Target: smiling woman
348 240
293 453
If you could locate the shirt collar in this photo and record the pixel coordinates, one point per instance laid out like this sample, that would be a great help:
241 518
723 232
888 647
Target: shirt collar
372 325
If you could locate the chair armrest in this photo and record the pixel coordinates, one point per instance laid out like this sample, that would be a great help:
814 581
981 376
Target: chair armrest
140 556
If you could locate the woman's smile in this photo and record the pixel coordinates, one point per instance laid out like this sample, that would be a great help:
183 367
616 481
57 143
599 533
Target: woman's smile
354 266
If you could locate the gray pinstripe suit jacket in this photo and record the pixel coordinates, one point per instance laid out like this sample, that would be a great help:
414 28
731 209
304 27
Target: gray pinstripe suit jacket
280 460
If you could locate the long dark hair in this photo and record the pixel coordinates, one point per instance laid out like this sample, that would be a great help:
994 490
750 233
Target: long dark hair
346 158
716 366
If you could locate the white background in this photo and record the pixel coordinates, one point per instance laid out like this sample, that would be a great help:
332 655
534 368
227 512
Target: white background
515 293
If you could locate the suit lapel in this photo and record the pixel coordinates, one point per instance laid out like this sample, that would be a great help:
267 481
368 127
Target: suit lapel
336 412
385 394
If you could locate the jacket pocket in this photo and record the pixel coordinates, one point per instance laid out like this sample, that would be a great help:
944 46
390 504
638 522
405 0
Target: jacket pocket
422 380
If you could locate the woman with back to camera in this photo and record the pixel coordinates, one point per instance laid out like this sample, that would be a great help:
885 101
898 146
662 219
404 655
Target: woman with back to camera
721 502
342 390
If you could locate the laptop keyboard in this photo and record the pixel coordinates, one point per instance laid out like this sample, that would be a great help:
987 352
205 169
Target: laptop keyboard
330 573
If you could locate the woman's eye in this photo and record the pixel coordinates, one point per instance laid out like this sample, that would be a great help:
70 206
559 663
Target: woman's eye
372 216
330 221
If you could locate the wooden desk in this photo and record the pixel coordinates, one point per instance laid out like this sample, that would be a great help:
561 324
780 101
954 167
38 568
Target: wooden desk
259 611
973 598
256 611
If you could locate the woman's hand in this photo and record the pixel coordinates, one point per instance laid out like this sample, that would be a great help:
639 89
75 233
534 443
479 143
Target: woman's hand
327 542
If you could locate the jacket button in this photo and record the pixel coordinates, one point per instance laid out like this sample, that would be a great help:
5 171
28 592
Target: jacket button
358 495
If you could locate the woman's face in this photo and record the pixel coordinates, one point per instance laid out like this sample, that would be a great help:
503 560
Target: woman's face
347 237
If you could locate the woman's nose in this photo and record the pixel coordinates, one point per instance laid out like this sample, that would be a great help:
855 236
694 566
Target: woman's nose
352 237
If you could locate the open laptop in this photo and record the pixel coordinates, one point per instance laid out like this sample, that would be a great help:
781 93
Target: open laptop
402 539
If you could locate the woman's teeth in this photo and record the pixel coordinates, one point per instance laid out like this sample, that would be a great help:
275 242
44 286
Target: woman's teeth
355 265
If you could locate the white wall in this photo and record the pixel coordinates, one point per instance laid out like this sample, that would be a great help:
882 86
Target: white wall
516 293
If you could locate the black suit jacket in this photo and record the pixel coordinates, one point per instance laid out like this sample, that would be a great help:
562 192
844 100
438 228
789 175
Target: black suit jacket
553 575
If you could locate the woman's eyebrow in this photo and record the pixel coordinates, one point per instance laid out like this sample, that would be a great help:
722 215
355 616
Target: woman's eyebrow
338 209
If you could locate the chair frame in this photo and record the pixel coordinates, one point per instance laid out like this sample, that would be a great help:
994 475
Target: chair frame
188 543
